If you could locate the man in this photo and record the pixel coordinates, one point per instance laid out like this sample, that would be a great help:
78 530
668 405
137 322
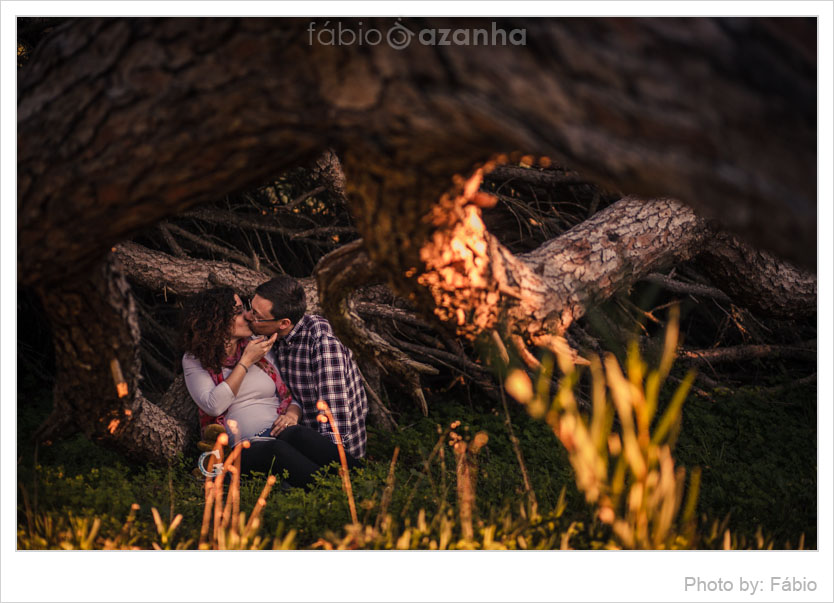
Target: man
313 363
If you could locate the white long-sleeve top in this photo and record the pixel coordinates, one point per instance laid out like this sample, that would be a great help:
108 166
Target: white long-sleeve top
254 408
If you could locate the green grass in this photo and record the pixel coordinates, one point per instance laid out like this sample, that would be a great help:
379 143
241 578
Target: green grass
758 457
758 453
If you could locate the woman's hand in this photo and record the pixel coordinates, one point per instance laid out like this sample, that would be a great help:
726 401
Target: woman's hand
288 419
256 349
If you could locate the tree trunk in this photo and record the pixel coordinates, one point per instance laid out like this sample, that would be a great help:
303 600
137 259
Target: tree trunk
122 122
96 337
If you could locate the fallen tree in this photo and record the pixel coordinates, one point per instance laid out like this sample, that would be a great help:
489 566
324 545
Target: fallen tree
125 122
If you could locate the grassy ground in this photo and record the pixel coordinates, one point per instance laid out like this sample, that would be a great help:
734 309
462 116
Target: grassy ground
757 452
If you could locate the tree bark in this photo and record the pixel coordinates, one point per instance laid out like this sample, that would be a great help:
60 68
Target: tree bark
477 284
758 280
96 337
122 122
183 276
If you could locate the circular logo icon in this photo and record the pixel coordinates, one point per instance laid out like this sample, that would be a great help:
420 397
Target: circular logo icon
399 36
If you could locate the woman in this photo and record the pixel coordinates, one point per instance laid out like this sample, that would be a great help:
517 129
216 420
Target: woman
227 376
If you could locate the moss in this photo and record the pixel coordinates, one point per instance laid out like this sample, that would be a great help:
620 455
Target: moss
758 453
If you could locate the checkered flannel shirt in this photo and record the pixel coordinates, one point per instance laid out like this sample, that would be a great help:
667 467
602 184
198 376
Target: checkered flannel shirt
315 365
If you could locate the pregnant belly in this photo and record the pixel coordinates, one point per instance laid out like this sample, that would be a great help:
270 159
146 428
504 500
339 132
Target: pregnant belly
248 427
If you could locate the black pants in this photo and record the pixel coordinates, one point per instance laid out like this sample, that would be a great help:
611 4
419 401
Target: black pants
300 450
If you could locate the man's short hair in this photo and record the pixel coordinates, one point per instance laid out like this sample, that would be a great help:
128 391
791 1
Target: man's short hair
287 297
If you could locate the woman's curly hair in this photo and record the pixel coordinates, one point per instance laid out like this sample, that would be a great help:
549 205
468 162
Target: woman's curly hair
206 325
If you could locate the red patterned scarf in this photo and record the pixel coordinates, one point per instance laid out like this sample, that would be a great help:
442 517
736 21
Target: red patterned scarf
266 366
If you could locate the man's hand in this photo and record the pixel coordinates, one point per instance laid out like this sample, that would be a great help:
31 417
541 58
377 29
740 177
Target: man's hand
286 420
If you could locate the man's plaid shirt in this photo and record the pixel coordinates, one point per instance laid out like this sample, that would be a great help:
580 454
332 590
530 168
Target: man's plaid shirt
315 365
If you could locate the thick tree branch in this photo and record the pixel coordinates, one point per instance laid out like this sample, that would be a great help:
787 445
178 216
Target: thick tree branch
759 280
158 271
155 270
475 283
